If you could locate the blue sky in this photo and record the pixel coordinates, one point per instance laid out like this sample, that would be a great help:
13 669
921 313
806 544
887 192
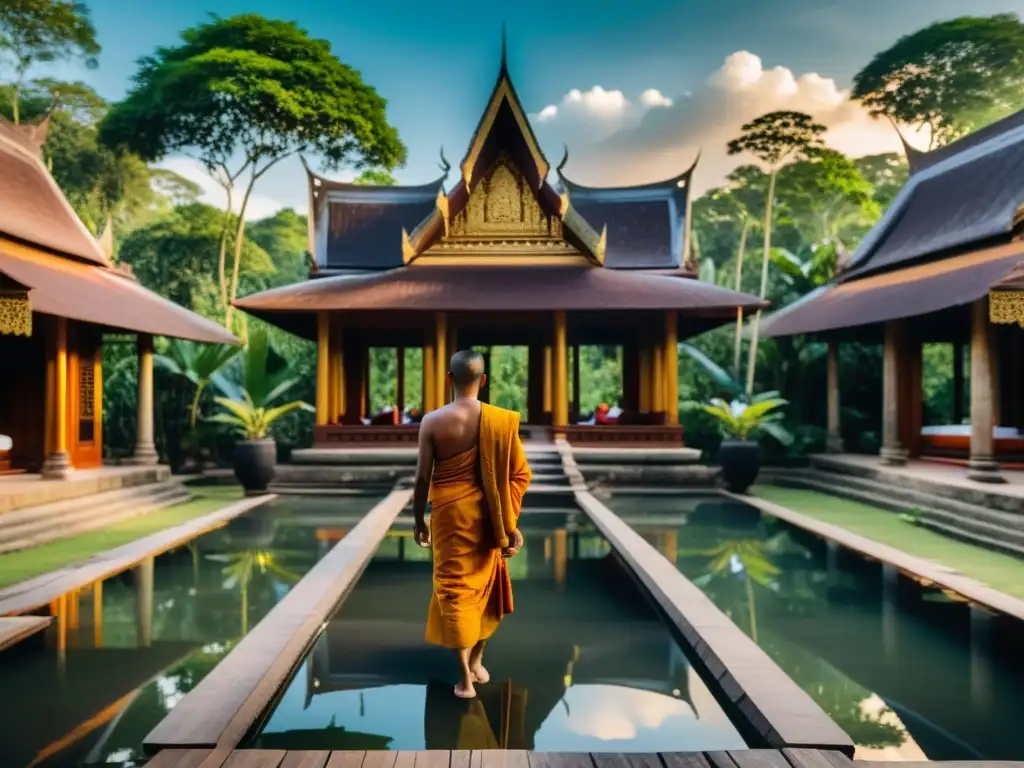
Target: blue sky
436 62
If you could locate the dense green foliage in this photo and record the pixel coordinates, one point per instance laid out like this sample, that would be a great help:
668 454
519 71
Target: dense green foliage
242 93
952 77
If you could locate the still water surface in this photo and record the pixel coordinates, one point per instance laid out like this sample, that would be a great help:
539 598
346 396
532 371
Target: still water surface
909 672
583 664
123 672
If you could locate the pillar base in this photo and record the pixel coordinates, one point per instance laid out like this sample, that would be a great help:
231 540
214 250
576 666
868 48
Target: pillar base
983 469
145 455
893 456
57 466
834 444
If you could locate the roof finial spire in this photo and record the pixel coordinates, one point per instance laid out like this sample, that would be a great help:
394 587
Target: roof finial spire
504 50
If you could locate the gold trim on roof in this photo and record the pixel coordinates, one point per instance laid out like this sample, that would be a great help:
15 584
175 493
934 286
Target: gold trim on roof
1006 307
501 93
602 245
442 208
15 313
563 203
408 252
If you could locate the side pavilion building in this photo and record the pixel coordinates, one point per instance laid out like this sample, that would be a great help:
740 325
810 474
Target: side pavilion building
60 294
503 258
945 264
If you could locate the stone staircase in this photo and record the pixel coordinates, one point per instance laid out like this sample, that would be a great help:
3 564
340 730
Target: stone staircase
990 527
41 524
551 489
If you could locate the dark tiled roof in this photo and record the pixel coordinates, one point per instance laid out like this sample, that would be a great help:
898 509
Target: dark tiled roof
924 160
32 207
908 292
959 198
641 235
368 235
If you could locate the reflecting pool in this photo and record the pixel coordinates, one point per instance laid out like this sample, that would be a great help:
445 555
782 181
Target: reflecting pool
909 671
129 657
584 663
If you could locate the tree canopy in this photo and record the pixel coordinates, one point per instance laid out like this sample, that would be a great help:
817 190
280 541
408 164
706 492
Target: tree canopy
37 31
952 76
776 137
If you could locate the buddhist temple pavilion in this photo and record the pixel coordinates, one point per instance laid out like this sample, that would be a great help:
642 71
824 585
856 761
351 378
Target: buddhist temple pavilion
945 264
60 294
503 258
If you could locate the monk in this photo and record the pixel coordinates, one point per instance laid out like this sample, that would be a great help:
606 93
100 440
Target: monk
473 470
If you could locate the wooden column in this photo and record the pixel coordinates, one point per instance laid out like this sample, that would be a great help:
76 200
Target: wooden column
671 363
429 359
549 379
323 369
958 382
400 382
982 466
58 461
892 452
145 447
644 378
657 376
559 354
441 394
834 439
335 378
576 382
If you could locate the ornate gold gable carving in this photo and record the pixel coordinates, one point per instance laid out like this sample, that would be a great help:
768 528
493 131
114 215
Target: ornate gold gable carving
503 206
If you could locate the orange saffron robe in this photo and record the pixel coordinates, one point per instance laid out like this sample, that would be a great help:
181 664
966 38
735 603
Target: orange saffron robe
475 498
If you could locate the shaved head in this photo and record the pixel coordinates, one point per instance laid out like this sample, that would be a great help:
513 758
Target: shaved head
466 368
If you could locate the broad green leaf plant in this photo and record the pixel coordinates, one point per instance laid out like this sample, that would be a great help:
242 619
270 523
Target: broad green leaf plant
249 409
743 421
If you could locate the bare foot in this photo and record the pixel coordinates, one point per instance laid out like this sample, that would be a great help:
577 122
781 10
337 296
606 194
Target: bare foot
465 691
480 674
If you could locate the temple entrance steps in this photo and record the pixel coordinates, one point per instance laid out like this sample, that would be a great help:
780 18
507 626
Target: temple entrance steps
987 526
32 526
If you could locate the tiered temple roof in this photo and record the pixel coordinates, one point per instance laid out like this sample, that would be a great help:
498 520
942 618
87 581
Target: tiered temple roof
422 248
947 239
46 248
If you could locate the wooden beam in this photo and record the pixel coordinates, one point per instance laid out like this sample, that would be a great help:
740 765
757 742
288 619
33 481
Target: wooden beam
560 353
323 365
441 395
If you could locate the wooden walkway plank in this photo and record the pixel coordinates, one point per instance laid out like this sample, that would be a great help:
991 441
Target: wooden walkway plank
40 591
346 759
626 760
380 759
223 707
14 629
732 664
503 758
684 760
433 758
720 760
460 758
255 758
758 758
179 758
559 760
817 758
405 760
305 759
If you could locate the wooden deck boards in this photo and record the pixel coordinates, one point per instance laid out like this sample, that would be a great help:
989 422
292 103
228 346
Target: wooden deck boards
220 710
14 629
749 758
35 593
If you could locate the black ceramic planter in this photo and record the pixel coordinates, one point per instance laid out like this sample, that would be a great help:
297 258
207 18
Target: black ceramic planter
741 461
255 464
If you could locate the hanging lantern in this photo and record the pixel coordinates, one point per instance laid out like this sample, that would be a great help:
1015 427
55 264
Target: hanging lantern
1006 299
15 308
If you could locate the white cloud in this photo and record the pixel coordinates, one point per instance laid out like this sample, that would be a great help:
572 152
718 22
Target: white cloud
260 204
614 141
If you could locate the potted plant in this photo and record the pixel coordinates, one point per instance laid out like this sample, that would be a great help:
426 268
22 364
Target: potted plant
739 455
250 411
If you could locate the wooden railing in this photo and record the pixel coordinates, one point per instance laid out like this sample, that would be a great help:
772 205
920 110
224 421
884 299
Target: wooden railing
362 436
616 435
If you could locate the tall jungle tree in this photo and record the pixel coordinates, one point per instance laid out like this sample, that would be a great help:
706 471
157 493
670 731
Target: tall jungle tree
242 94
952 76
38 31
775 139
